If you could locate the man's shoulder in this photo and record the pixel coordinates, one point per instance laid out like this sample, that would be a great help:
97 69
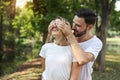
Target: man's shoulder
97 40
92 41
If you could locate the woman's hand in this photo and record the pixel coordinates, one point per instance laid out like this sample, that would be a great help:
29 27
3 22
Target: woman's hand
49 36
51 25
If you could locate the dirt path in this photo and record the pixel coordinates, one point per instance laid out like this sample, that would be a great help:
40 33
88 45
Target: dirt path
27 71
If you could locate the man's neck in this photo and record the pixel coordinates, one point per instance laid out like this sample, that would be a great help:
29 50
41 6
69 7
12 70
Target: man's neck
84 38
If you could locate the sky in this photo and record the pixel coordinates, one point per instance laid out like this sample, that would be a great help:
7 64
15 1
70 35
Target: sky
117 6
21 4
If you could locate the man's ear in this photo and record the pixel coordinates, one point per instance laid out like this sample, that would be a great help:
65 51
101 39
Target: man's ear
90 26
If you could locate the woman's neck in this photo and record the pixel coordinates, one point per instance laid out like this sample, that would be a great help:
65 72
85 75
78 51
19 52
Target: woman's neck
62 41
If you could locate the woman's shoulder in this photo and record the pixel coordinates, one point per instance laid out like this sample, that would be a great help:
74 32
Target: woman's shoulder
48 44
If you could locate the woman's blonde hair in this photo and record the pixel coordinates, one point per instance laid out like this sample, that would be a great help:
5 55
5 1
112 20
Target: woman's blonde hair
62 19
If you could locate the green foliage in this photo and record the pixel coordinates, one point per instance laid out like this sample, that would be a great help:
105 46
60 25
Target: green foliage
54 8
3 5
23 23
112 61
113 33
113 45
114 21
33 20
112 66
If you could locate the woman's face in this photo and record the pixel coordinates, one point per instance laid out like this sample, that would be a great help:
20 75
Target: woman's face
55 30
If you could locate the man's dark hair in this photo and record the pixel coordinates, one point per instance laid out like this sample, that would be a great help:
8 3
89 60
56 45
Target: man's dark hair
89 16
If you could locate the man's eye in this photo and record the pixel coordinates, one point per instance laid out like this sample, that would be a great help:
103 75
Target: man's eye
77 25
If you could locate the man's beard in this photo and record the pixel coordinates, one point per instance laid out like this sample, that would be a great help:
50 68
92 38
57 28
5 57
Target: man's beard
80 34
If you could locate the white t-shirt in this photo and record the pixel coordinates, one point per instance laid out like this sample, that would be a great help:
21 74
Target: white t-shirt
93 45
58 61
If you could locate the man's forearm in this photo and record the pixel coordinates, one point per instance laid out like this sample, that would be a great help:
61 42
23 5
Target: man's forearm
77 50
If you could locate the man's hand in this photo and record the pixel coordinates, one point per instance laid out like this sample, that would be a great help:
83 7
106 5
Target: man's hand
64 26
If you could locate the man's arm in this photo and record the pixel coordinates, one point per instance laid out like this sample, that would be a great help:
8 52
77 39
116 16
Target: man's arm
75 71
81 56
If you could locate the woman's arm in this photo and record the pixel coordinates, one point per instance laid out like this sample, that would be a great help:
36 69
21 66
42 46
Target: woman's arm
49 36
43 64
75 71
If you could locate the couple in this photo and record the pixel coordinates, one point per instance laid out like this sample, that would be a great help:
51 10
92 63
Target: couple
72 53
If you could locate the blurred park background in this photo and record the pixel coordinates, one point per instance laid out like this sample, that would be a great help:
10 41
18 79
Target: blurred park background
23 30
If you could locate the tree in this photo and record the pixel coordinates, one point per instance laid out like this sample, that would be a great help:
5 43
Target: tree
1 30
101 31
114 21
10 16
49 9
7 13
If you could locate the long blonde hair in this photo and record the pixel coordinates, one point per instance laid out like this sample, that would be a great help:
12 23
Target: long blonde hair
50 39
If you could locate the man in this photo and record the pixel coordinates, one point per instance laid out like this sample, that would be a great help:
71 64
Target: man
85 46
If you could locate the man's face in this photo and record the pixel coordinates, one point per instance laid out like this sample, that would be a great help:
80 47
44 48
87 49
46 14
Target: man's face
79 26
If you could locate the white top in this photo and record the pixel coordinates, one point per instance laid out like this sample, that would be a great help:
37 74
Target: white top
58 61
93 45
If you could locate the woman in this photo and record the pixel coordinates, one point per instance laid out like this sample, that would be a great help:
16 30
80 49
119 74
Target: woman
58 61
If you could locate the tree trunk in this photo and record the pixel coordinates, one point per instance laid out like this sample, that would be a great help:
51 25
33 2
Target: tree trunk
11 9
1 29
11 16
1 40
101 32
102 35
1 47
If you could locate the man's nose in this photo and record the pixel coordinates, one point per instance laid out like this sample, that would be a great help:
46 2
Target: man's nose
73 26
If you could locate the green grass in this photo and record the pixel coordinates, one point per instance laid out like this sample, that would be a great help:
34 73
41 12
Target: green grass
113 45
112 71
112 62
113 40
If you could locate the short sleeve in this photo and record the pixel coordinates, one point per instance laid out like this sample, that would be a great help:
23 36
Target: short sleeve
73 58
95 48
42 51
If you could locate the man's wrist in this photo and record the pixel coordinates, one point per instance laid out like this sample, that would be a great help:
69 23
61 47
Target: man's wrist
71 38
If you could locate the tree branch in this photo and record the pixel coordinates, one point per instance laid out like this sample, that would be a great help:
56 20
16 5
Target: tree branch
111 5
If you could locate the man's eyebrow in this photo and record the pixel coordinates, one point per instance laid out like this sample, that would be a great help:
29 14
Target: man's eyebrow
76 24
